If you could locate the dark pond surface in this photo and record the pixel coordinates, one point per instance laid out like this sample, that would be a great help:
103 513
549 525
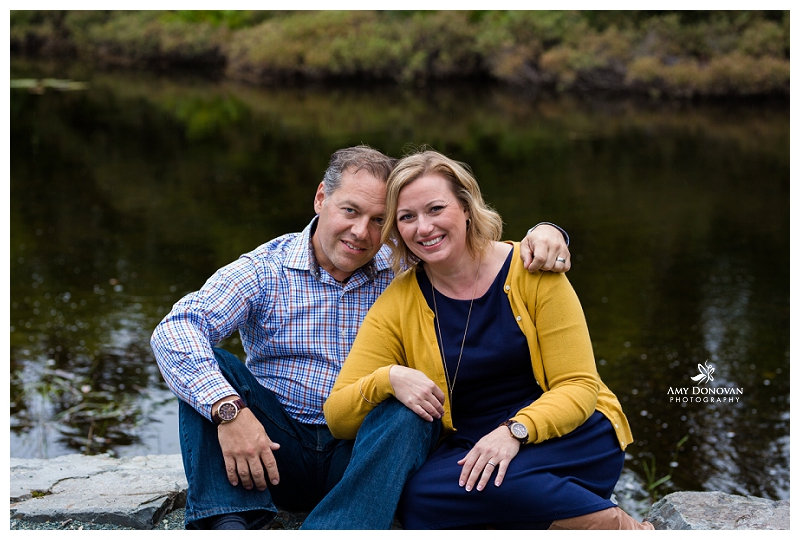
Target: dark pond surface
129 194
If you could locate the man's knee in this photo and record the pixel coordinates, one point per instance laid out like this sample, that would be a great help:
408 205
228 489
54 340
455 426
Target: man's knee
394 412
392 415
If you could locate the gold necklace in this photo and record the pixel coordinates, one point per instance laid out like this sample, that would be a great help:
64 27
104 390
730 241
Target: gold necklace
451 385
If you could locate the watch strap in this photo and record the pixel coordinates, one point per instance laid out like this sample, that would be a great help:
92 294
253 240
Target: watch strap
509 424
238 403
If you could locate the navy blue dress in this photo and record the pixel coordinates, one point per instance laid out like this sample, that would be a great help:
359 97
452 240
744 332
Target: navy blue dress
563 477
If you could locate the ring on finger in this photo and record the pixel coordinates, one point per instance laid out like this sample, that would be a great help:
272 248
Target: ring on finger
491 463
561 259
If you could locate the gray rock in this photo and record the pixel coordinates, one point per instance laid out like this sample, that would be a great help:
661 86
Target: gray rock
714 510
130 492
138 492
33 477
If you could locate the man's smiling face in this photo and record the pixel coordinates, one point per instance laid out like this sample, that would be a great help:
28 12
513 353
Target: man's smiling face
348 233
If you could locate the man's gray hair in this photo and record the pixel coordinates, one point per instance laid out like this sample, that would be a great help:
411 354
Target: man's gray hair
355 159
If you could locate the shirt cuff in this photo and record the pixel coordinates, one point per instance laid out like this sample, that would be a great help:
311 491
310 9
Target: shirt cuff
562 231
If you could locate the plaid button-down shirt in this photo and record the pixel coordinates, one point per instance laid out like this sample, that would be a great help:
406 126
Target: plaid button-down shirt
296 323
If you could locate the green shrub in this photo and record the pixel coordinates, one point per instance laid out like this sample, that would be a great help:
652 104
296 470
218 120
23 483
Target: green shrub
143 35
447 39
684 53
608 49
764 38
740 74
346 43
646 69
295 44
734 73
510 43
30 31
233 19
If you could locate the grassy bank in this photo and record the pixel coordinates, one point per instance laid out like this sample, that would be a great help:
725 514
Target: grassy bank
699 53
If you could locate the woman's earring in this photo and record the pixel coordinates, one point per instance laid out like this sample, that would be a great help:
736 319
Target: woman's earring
469 220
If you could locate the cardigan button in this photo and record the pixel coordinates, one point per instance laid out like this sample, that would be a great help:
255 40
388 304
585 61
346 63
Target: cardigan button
519 318
508 287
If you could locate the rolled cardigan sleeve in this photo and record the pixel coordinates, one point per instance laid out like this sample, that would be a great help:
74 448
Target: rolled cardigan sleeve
363 382
570 379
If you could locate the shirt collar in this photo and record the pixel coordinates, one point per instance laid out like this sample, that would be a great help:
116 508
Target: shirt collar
301 256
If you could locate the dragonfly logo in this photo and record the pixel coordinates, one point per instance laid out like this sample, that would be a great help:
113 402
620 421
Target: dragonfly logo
700 393
706 373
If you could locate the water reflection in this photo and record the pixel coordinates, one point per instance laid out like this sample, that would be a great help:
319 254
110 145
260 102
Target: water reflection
129 194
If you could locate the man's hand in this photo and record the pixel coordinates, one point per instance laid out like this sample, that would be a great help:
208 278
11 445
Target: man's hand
417 392
248 451
544 248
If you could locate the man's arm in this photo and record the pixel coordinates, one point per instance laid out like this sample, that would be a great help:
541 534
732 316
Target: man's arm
182 344
546 247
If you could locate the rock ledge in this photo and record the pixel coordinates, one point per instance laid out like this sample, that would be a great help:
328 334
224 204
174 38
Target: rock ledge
138 492
714 510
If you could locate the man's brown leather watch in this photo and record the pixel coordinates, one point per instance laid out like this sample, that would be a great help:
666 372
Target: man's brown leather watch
228 410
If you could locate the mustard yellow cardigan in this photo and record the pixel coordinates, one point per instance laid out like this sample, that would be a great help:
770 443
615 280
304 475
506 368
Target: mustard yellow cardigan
399 330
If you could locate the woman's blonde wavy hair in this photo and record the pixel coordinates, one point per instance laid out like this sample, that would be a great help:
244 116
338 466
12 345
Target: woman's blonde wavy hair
485 225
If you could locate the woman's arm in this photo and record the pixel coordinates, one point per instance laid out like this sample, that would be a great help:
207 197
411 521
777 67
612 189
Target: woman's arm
562 339
570 375
363 382
376 369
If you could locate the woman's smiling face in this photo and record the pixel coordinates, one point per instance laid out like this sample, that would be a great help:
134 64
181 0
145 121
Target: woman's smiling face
431 221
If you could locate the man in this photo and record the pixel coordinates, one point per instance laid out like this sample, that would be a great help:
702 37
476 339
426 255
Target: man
297 302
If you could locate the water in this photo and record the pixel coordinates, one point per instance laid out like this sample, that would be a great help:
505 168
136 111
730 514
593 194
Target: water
129 194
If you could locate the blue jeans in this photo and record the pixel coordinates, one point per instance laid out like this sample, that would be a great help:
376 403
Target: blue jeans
392 443
310 461
358 493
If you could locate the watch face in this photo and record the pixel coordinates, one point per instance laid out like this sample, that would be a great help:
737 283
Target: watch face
519 430
227 411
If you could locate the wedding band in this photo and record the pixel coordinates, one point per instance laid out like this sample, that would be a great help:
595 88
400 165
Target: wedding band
559 259
491 463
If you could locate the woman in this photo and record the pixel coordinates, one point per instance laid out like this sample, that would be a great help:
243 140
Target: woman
531 437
